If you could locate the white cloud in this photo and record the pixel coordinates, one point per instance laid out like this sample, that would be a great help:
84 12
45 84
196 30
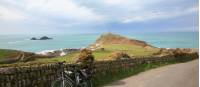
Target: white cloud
65 14
63 8
109 10
55 9
116 2
153 15
11 14
129 4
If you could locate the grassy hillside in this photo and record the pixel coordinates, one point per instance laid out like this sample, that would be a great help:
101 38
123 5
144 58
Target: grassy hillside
109 38
99 55
132 50
5 53
108 42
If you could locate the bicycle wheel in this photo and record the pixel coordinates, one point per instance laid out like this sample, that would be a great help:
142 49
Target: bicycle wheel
86 84
60 83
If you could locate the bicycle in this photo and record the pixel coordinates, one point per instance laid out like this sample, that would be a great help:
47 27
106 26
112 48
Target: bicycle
73 78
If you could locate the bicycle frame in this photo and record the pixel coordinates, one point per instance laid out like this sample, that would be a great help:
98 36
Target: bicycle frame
65 77
71 78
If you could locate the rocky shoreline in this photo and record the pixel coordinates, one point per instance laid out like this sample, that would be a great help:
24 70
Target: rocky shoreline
56 53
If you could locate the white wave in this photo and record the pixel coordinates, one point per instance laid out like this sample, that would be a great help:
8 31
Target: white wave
62 53
45 52
14 42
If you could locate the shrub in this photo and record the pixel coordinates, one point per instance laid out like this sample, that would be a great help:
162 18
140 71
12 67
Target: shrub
119 55
85 56
102 49
164 52
177 51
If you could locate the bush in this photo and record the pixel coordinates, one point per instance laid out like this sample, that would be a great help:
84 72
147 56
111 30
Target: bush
119 55
164 52
185 55
178 53
102 49
85 56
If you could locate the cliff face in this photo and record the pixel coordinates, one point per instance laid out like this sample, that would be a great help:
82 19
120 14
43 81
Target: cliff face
110 38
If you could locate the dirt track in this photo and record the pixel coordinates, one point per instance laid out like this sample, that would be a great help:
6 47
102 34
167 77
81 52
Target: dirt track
177 75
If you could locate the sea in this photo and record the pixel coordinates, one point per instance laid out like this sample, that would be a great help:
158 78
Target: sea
61 41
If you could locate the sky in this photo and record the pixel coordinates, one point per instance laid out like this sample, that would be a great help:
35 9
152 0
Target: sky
97 16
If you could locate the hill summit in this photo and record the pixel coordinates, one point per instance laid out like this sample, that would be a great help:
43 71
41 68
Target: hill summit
110 38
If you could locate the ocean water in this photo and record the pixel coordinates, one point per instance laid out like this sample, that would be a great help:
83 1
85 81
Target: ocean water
161 39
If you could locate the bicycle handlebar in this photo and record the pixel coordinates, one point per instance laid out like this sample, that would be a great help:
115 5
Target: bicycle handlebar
61 63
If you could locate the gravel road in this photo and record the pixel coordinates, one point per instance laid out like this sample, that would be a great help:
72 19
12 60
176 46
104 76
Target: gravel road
176 75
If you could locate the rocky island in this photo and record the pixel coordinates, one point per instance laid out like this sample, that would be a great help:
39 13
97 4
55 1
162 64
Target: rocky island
42 38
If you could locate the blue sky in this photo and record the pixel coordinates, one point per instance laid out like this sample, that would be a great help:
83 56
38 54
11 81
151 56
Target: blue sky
97 16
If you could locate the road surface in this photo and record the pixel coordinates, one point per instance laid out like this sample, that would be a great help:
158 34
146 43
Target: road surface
176 75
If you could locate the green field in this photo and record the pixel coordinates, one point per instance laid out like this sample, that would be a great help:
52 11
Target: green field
135 51
132 50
